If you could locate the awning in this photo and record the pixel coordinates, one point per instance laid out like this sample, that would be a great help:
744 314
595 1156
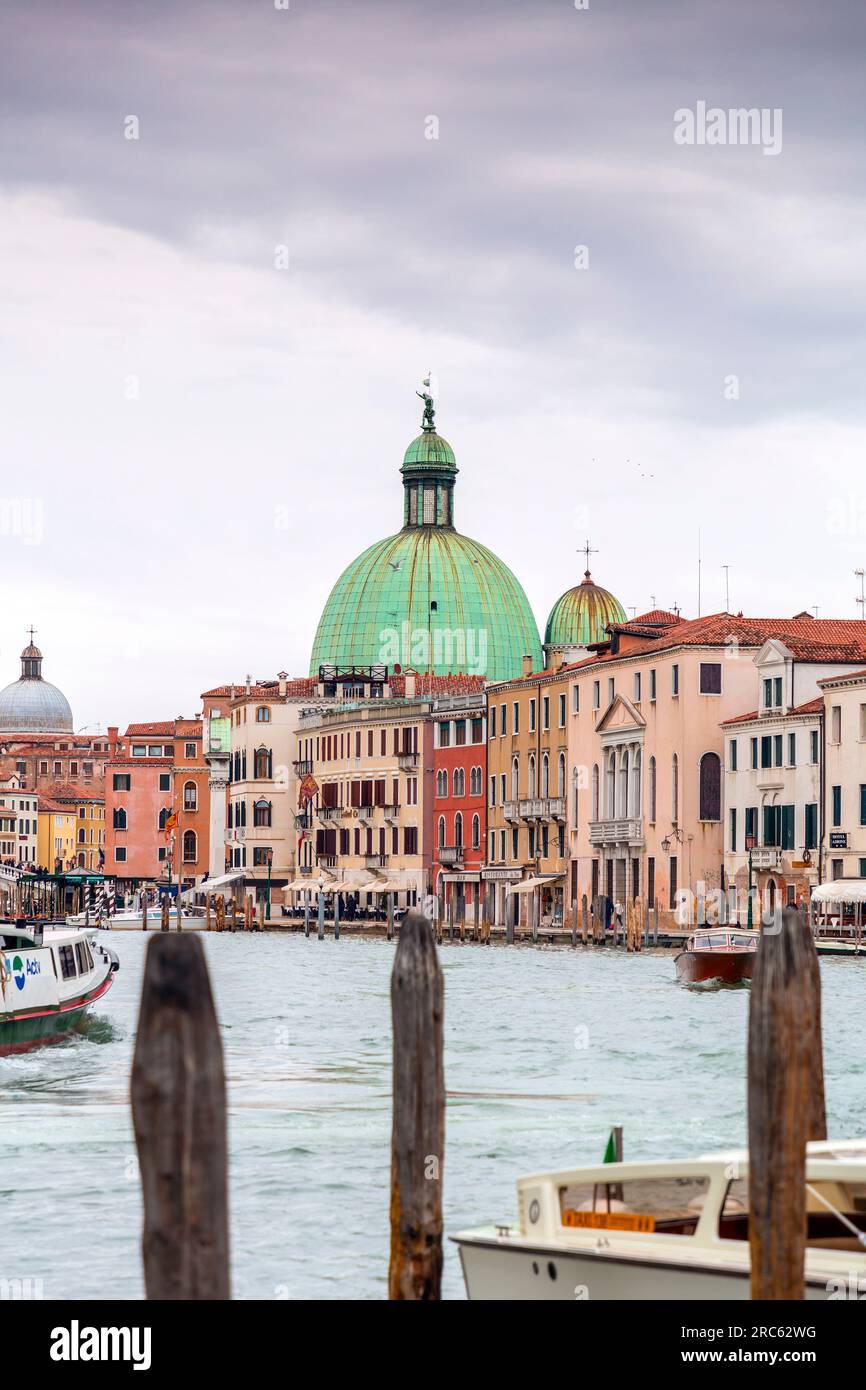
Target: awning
210 883
529 884
841 890
299 885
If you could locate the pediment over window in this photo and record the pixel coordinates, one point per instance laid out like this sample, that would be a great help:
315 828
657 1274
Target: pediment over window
621 717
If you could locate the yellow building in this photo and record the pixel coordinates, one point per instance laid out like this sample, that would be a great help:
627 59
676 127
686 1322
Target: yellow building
527 806
74 827
55 848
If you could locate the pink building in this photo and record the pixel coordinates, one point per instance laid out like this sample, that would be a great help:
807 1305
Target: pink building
646 745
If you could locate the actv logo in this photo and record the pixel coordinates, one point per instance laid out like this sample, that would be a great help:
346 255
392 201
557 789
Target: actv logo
76 1343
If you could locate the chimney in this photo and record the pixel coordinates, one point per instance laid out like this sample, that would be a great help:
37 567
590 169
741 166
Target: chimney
410 685
282 677
527 665
112 739
248 685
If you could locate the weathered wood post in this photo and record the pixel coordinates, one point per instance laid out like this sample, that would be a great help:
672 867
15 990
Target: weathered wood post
336 916
510 913
390 927
584 919
234 913
306 912
321 919
207 911
220 913
179 910
418 1128
785 1102
248 909
164 922
179 1112
260 925
656 922
144 911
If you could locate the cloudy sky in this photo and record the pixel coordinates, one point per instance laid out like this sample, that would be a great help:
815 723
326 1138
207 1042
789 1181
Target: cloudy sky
197 437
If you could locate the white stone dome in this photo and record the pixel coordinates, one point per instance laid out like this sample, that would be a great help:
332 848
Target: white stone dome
32 705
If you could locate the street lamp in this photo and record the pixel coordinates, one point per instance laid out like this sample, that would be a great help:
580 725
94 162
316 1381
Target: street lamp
751 841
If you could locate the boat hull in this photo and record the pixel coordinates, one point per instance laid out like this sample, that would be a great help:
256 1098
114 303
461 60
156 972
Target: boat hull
505 1272
728 967
45 1022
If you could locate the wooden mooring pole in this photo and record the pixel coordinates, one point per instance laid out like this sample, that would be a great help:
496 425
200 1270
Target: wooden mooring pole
785 1101
179 1113
418 1127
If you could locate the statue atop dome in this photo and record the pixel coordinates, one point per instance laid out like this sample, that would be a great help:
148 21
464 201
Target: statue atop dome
427 420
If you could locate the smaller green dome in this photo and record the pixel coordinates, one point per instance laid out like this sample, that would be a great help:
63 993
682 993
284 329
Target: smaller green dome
581 616
429 450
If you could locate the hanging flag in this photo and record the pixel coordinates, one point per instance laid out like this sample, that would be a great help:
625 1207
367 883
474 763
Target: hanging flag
307 789
170 822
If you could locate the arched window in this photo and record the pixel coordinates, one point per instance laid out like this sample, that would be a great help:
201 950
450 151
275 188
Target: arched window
530 790
476 832
595 792
164 815
560 776
458 830
545 775
459 781
261 813
515 778
675 788
120 822
262 762
575 785
263 714
190 796
442 783
625 763
441 831
652 789
190 847
710 798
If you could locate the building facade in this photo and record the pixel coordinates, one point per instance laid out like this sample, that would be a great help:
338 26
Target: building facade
527 787
843 847
19 825
460 809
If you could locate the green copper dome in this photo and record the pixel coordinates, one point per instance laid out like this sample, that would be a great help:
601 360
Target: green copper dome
581 616
428 597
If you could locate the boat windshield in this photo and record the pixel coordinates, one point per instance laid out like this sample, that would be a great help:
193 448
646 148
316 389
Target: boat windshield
710 940
826 1202
659 1206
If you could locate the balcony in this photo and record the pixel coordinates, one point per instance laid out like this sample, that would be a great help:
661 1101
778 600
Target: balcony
620 831
374 861
766 858
330 813
451 856
391 814
303 767
327 861
304 820
542 808
510 810
406 761
365 813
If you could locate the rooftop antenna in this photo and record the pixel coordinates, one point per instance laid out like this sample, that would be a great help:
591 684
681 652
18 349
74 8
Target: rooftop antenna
726 568
632 609
652 600
699 571
861 601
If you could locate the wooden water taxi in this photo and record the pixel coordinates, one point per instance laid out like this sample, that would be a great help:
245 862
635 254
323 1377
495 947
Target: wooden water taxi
49 978
725 954
662 1230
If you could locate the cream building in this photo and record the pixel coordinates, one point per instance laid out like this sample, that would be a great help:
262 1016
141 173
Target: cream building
372 812
844 842
19 823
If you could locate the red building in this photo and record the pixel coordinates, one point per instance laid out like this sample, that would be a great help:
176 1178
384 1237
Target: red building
157 803
459 806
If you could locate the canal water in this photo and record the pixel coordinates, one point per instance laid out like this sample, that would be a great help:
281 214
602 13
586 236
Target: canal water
545 1049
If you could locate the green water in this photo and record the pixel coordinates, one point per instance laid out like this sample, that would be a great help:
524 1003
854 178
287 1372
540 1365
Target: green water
306 1031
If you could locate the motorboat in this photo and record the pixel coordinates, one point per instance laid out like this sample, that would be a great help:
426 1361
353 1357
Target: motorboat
49 978
722 953
664 1230
132 919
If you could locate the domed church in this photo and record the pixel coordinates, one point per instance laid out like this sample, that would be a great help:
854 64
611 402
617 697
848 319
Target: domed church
579 618
32 705
428 597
